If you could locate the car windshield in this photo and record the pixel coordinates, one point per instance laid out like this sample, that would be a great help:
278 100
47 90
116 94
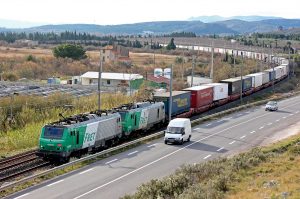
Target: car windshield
175 130
272 103
53 132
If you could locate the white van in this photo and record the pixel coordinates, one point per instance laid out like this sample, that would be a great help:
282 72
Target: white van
178 131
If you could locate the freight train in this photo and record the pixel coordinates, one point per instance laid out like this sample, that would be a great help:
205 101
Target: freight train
83 133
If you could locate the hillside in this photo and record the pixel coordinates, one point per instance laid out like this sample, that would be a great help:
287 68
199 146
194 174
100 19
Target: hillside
233 26
216 18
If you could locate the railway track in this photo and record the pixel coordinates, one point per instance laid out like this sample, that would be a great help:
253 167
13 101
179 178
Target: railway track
20 164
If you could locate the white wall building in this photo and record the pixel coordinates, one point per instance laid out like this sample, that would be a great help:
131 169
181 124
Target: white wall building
111 81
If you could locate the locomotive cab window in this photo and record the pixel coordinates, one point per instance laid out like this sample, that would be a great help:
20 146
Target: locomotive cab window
53 132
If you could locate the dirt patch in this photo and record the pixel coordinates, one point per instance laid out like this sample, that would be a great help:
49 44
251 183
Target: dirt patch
293 129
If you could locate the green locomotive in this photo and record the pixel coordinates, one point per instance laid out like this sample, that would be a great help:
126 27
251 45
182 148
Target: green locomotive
80 134
141 116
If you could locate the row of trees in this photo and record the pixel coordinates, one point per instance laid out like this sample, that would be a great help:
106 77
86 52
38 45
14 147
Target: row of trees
11 37
180 34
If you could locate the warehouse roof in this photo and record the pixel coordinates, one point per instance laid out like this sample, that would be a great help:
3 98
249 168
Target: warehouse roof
117 76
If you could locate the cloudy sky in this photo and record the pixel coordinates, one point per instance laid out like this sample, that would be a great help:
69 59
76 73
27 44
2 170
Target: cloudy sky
112 12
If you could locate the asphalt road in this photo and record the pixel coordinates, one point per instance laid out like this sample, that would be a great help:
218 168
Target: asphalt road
123 173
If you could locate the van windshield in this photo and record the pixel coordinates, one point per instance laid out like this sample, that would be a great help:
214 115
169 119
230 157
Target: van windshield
175 130
53 132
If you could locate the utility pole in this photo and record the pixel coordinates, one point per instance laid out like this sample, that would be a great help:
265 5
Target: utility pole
99 81
241 90
272 65
289 61
171 98
193 68
212 60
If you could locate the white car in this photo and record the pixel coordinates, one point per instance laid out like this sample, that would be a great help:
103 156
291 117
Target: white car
271 106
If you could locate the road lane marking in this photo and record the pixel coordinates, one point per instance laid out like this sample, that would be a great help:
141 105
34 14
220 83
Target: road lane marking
21 196
291 114
229 118
49 185
220 121
196 129
86 171
206 157
278 120
220 149
247 112
239 114
178 150
284 117
232 142
209 124
243 136
252 132
132 153
261 127
270 123
151 145
297 112
111 161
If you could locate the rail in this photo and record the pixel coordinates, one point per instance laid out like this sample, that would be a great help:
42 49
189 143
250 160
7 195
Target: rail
140 140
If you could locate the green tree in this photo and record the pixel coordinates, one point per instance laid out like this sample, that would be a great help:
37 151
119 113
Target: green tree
72 51
171 45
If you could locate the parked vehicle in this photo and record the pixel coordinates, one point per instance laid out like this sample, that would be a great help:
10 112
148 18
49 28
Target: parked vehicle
178 131
271 106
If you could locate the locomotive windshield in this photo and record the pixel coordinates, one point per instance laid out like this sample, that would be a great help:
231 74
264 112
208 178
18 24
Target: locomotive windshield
175 130
53 132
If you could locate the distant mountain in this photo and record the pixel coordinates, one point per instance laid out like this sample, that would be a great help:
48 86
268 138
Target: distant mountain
227 27
268 25
18 24
162 27
217 18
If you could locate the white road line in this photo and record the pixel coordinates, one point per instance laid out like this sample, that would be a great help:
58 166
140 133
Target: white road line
252 132
220 121
239 114
220 149
21 196
206 157
208 124
261 127
243 136
86 171
284 117
291 114
151 145
132 153
277 120
232 142
247 112
270 123
297 112
111 161
196 129
49 185
178 150
229 118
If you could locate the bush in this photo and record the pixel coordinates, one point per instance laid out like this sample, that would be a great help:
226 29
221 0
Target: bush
72 51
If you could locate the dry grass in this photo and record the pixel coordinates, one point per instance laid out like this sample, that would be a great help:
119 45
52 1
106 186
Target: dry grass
269 180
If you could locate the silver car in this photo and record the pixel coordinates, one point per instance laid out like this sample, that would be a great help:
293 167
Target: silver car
271 106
